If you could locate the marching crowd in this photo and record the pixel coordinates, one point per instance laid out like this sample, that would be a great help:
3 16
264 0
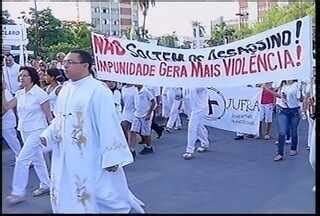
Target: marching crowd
31 110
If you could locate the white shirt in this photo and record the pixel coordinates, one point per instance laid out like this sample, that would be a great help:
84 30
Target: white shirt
31 117
199 99
178 94
10 75
9 118
186 93
117 100
154 90
293 94
53 98
128 95
142 102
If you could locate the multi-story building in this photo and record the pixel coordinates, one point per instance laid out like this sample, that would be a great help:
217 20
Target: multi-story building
114 17
251 12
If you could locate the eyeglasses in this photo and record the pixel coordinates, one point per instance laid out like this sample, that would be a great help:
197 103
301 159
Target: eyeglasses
70 62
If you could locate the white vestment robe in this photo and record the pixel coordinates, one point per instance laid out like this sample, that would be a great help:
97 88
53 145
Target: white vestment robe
85 138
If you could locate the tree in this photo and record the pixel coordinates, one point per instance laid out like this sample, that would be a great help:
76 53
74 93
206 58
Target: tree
55 35
6 18
279 15
168 40
76 35
144 6
220 33
50 30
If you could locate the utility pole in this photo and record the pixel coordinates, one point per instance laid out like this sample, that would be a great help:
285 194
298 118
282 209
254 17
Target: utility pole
37 29
78 11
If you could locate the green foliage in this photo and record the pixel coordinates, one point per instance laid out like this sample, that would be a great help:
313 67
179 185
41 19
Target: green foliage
168 40
219 33
54 35
60 47
277 16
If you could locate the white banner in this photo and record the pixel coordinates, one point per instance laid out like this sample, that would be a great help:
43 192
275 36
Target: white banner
235 109
280 53
14 34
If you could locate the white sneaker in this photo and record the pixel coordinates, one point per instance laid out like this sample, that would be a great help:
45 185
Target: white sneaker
15 199
202 149
288 141
40 191
267 137
187 156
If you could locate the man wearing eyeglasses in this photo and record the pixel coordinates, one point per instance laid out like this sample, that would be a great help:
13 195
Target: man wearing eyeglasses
89 147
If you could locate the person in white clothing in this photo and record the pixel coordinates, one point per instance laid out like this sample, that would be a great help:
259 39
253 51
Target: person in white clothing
174 118
144 106
167 101
34 114
128 93
112 85
186 104
196 129
307 109
9 132
10 74
53 78
59 57
90 150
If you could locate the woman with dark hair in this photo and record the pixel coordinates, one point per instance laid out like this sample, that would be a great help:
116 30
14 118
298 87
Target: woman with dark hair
34 114
288 113
53 78
41 72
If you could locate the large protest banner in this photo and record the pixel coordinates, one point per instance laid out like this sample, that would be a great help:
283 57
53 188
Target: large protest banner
277 54
234 109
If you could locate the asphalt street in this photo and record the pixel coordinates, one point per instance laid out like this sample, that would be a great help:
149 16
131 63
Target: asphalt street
233 177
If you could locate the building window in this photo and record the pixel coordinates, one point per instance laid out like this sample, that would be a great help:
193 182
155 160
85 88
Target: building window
125 11
114 33
105 21
115 10
104 10
96 10
115 22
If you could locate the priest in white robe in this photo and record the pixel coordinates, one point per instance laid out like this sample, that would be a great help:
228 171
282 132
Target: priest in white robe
89 147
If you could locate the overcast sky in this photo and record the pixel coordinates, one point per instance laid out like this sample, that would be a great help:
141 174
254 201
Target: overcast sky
162 19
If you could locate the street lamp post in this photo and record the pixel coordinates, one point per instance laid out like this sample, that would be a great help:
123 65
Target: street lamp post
240 16
37 29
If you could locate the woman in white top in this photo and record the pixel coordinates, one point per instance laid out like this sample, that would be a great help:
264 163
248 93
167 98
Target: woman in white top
34 114
9 123
53 78
288 101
